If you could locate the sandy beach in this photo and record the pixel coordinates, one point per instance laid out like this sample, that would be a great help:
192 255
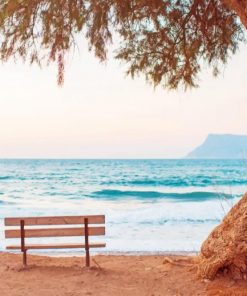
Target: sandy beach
110 275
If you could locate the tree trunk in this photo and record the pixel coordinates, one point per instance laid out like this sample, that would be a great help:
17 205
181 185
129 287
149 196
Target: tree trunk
225 250
240 8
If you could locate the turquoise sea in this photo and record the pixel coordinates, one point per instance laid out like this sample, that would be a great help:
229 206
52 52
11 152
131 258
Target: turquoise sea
150 205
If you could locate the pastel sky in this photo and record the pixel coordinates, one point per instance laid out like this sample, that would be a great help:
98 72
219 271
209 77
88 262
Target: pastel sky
99 113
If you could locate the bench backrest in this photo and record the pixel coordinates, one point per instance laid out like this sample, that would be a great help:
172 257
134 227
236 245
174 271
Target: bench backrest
58 221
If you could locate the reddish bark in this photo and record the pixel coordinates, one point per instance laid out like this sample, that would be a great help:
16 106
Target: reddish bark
226 247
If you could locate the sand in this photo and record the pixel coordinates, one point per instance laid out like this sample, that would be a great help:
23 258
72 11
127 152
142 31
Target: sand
110 275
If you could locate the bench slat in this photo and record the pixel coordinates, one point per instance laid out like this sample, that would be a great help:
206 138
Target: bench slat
52 232
56 246
59 220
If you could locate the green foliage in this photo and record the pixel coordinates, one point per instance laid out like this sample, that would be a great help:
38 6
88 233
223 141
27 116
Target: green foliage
164 40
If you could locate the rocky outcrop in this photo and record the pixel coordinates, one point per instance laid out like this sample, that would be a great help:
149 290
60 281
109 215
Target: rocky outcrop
225 250
221 146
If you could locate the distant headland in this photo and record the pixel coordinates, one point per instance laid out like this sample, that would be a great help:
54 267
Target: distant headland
224 146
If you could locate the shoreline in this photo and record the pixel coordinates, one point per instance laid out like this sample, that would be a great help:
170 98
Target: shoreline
110 275
105 253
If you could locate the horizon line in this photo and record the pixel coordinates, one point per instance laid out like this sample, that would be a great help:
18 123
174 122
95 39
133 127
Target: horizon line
72 158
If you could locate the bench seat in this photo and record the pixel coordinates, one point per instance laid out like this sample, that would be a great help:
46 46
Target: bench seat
56 246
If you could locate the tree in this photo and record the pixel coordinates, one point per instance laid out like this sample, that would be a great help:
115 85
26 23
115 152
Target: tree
167 41
225 250
240 8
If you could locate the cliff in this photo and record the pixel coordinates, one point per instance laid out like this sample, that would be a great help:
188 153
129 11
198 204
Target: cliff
221 146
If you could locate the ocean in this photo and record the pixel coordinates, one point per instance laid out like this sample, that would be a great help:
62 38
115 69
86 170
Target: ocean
151 206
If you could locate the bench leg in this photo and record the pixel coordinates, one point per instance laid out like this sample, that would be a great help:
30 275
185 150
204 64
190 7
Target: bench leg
23 249
87 258
87 243
24 257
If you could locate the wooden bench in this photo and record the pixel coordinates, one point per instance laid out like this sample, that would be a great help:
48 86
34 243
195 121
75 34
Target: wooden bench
31 231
